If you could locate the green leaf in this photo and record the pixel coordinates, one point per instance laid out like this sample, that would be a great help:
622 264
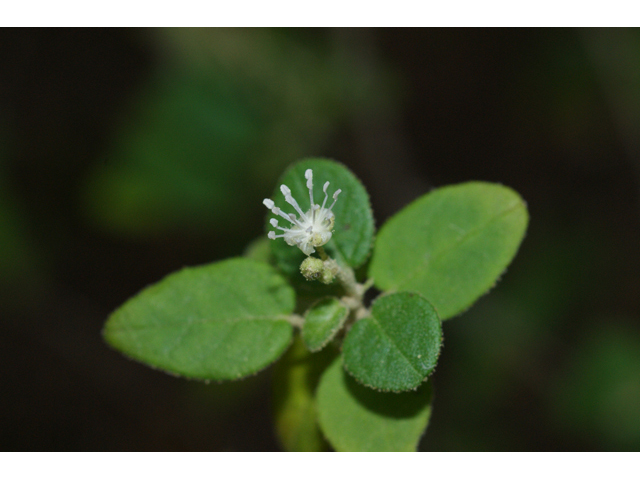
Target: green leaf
322 321
259 250
357 419
451 245
295 379
220 321
398 346
353 232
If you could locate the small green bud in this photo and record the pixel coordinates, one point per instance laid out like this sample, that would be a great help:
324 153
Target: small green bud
327 276
330 271
312 269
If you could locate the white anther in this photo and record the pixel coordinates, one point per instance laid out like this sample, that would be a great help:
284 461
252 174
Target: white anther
310 229
309 176
285 190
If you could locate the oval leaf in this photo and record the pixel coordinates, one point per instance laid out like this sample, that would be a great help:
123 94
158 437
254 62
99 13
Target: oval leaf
398 346
451 245
353 231
357 419
322 321
259 250
221 321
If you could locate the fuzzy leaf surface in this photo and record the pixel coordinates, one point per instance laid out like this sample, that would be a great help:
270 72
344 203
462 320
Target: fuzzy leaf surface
221 321
451 245
322 321
357 419
397 347
352 237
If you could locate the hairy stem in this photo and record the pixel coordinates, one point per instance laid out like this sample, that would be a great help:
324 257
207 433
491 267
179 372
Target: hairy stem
322 253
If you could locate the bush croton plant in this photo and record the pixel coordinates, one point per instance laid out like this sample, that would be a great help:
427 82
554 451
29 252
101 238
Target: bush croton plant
349 374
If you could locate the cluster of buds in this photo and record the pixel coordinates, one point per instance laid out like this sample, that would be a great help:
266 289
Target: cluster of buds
315 269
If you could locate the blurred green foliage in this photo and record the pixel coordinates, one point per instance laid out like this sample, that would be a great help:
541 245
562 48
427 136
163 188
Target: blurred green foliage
20 260
218 122
179 159
597 390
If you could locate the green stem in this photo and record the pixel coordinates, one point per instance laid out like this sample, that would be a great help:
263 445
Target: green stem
322 253
346 276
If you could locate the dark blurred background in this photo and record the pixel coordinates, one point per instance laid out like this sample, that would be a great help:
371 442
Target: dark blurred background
127 154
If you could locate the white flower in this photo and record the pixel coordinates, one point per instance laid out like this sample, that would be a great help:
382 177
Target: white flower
313 228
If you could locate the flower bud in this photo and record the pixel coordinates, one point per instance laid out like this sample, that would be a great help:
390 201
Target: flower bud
312 268
327 276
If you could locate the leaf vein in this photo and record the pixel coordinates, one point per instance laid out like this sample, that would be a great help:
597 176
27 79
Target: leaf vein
402 354
421 265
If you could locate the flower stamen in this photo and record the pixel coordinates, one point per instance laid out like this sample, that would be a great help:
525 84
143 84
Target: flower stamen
312 228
